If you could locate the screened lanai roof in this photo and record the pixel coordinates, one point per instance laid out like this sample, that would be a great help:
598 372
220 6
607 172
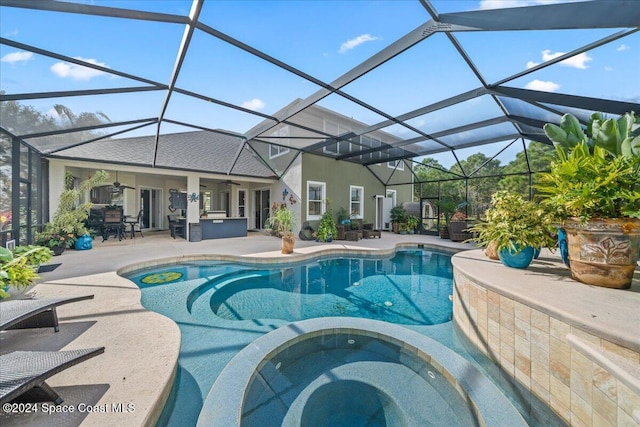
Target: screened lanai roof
178 83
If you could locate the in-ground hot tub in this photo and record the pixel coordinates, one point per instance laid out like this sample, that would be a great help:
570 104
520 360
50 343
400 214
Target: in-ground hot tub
352 372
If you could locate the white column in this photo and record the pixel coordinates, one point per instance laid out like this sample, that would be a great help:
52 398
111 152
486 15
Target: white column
193 207
56 185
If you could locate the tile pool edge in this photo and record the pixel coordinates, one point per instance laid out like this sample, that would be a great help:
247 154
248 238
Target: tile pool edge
223 405
574 346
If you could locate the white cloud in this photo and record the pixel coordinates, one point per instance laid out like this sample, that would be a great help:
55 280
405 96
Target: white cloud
77 72
623 47
609 68
576 61
255 104
532 64
14 57
542 85
13 33
353 43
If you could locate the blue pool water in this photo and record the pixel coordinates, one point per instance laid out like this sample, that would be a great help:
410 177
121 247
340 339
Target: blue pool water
221 307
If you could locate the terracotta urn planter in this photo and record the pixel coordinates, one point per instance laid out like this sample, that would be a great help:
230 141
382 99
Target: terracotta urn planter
288 242
491 251
603 252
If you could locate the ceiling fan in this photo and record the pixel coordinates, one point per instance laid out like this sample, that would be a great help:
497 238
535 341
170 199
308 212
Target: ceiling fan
116 186
229 182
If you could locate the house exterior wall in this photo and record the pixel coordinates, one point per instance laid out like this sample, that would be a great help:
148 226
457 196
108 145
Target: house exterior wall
339 177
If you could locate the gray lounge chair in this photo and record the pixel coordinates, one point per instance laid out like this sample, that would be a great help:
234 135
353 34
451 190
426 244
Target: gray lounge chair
24 372
33 313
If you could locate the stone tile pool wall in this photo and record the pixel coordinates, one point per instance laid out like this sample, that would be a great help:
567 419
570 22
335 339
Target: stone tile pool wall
555 360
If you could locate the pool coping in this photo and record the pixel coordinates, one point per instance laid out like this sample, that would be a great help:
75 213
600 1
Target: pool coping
275 258
223 405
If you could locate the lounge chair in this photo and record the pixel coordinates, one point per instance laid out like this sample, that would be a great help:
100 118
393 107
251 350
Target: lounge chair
26 371
33 313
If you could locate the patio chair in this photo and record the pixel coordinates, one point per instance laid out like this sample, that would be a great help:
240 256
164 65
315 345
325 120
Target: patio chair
113 224
33 313
24 372
175 227
133 221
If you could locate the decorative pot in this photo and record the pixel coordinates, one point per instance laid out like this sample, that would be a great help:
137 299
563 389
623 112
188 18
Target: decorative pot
491 251
58 250
520 259
603 252
287 244
84 243
444 233
536 252
563 246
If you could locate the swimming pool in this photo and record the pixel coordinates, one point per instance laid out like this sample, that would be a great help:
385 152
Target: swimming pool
223 306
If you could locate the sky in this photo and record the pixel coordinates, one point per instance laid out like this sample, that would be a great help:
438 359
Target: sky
323 39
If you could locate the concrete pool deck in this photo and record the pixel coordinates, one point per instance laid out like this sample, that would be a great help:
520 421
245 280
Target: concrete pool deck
141 347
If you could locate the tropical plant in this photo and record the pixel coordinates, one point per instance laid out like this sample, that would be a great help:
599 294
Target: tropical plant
327 227
412 222
34 257
514 223
343 216
398 215
282 220
597 172
69 221
594 189
19 270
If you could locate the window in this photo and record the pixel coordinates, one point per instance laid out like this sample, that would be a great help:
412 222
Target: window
357 201
315 199
279 150
369 143
399 163
335 129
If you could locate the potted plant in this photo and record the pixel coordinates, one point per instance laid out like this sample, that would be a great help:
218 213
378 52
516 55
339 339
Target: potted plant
412 223
18 269
327 228
70 218
398 216
53 240
516 227
446 208
282 221
458 226
593 188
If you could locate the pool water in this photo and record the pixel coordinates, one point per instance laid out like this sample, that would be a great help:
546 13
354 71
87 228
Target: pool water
351 380
221 307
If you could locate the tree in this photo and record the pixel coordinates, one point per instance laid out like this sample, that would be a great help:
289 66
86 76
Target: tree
539 156
479 190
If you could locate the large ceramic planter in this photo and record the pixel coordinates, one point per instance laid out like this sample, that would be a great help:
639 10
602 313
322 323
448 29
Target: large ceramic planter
287 244
603 252
520 259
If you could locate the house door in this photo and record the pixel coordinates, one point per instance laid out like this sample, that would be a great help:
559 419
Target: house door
151 205
262 206
383 218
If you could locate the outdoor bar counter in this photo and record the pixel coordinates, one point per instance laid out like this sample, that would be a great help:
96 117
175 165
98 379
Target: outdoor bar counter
218 228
